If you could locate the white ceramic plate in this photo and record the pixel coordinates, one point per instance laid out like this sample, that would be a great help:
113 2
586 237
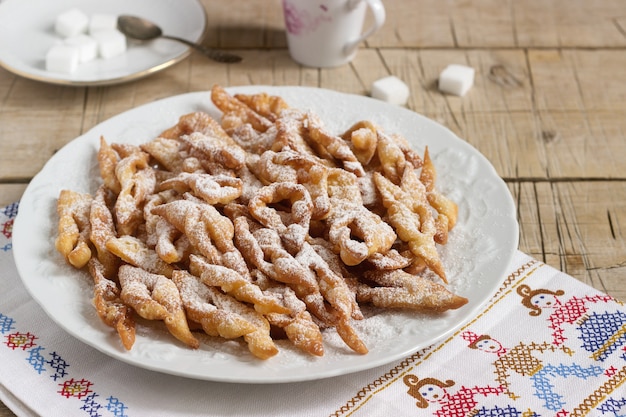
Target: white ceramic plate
476 256
27 33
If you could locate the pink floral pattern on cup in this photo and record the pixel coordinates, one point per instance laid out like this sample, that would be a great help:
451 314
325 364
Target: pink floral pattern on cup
299 22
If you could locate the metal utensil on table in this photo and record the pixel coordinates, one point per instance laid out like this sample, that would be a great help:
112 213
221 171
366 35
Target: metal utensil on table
144 30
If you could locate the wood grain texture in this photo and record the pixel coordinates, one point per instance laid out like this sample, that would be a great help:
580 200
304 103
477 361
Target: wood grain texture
547 107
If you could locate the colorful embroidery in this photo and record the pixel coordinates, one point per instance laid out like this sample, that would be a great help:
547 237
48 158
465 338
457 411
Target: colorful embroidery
58 364
75 388
529 378
116 407
51 364
36 359
7 226
545 389
432 392
91 406
19 340
6 324
56 368
602 333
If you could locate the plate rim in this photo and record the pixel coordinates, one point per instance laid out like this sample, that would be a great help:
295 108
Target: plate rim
513 242
115 80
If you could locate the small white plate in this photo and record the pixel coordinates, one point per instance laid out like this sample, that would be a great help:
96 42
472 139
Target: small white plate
476 257
27 33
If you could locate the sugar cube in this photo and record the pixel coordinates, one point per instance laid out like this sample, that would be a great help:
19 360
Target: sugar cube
102 21
456 79
111 42
87 46
71 23
391 89
62 58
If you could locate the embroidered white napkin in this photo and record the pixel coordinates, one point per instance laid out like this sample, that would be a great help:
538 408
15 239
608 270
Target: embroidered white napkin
545 345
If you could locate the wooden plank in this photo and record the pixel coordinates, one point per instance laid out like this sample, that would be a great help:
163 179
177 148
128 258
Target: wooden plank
248 24
415 24
483 23
578 79
439 24
569 23
10 193
554 145
5 412
577 227
36 119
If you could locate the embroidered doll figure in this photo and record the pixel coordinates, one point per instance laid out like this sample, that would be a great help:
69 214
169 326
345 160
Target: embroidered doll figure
537 300
434 392
575 311
520 359
484 343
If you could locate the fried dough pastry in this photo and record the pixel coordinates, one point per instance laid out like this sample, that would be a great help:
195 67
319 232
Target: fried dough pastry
237 112
447 210
264 104
356 232
198 301
109 306
363 136
74 228
135 252
233 283
107 161
293 167
410 214
260 225
137 182
333 145
156 297
298 217
102 228
167 151
399 289
213 189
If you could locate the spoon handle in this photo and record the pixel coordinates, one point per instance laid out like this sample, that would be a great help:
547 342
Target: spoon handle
213 54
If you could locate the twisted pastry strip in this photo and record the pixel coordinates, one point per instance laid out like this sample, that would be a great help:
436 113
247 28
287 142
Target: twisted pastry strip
198 300
156 297
293 167
348 217
103 229
299 218
109 306
169 243
237 113
137 180
135 252
236 285
399 289
74 228
214 189
410 214
446 209
333 145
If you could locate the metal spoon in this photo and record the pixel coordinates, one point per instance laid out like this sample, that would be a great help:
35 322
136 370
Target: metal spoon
144 30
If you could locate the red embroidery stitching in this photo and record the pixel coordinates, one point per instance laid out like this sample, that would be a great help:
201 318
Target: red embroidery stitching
75 388
19 340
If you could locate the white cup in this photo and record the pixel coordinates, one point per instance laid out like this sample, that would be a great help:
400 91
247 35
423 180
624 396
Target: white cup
327 33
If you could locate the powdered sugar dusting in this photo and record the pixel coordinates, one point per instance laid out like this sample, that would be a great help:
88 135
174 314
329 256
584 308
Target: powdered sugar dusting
477 252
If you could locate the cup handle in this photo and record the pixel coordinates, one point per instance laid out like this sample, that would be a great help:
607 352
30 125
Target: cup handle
378 10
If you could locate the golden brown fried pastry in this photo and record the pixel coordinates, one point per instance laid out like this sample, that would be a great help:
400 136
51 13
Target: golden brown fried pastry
156 297
74 228
110 307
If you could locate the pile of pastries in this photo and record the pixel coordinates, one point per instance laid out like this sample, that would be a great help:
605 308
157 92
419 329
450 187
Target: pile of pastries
262 225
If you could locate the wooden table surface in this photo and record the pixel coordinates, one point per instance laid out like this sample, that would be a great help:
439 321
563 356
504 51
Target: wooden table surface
547 107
